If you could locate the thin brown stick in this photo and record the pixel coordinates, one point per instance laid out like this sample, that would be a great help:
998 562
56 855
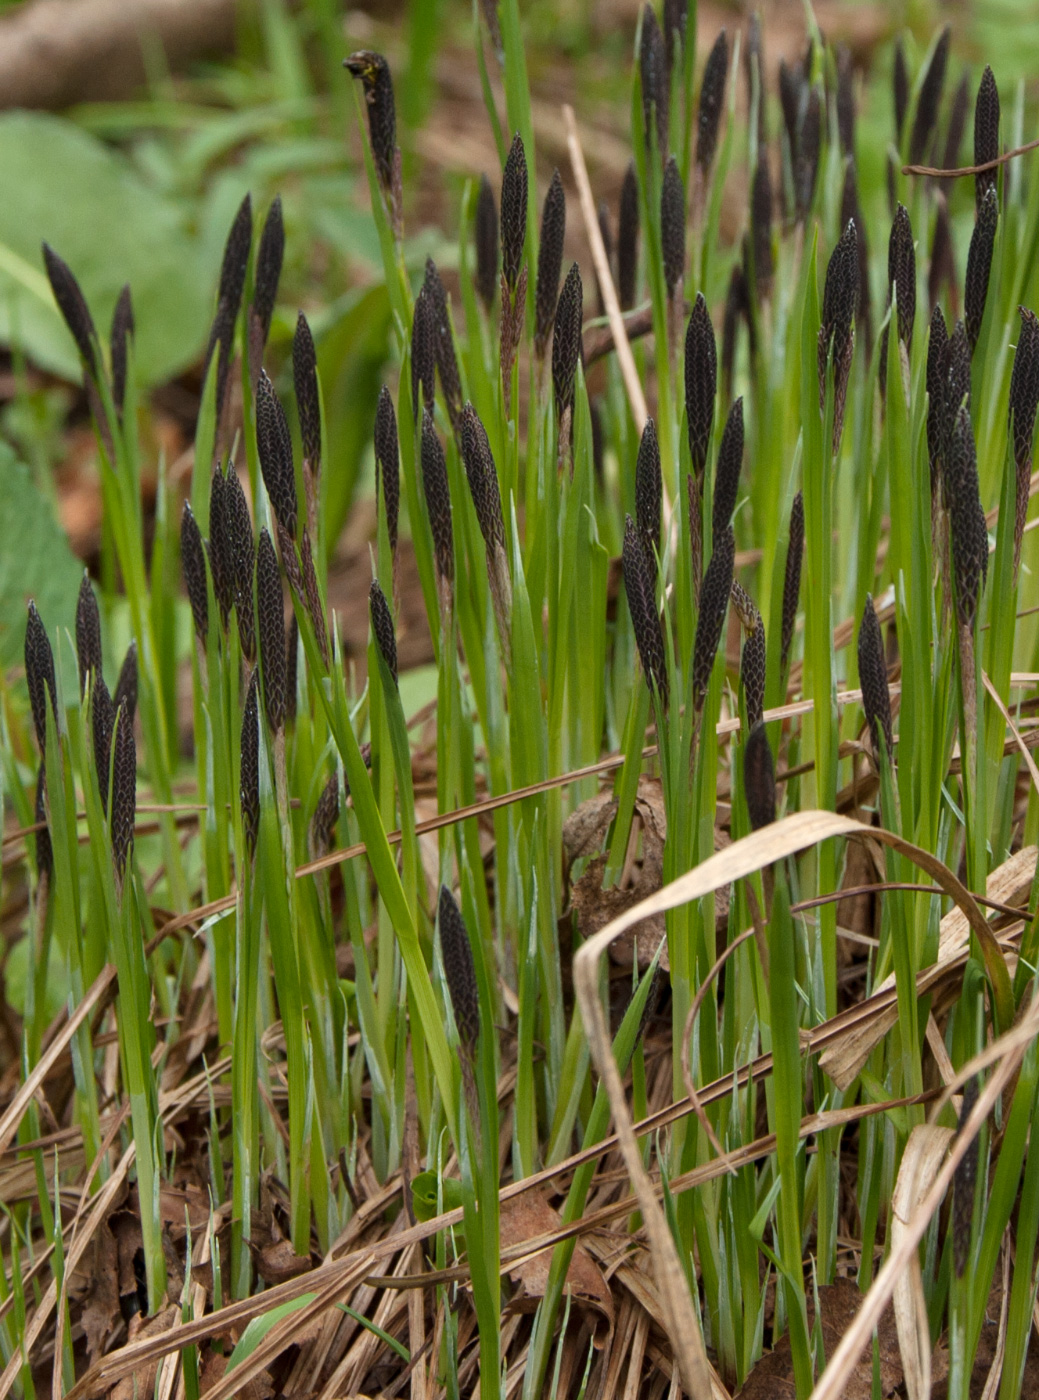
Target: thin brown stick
961 170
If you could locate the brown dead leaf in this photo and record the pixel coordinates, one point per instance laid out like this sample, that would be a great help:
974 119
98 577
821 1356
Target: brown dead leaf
142 1382
260 1387
278 1261
528 1216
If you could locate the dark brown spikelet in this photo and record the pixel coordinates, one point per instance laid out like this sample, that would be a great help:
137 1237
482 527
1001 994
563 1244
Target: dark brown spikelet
712 97
102 722
249 776
88 633
308 399
485 236
1024 397
123 328
274 445
761 225
387 463
229 296
754 658
649 492
956 377
901 274
270 620
459 969
929 101
979 265
967 520
759 778
374 73
444 343
513 212
267 272
220 558
382 627
900 83
550 263
423 353
845 100
73 306
124 790
640 591
714 604
653 72
438 499
790 85
958 109
792 576
840 295
44 848
193 567
125 692
242 559
672 226
483 478
727 470
943 260
326 817
986 135
701 382
806 166
628 240
39 674
876 700
566 341
963 1184
291 668
937 347
851 209
606 234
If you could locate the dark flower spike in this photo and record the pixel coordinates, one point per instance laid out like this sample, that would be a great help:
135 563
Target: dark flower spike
967 520
876 699
759 778
753 659
727 470
550 263
126 683
929 101
444 342
675 19
123 329
712 96
714 604
270 618
956 378
374 73
220 557
840 295
267 274
242 559
438 500
102 722
483 478
900 78
761 224
423 353
274 445
326 816
193 567
291 668
701 383
73 307
937 347
737 308
851 209
566 341
986 134
308 399
44 849
672 226
979 265
901 273
846 100
606 234
229 295
806 166
1024 397
628 240
790 86
485 236
653 71
640 590
963 1184
958 110
39 674
387 463
943 261
649 493
124 790
513 212
88 633
382 627
459 969
792 576
249 779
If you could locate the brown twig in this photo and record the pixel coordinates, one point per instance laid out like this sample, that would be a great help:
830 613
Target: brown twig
936 174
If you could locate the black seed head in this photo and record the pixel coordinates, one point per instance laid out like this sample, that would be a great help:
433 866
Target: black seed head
792 576
382 627
727 470
274 445
249 779
308 398
125 692
550 262
979 265
39 674
761 225
806 166
444 342
712 96
649 493
268 268
840 296
606 234
513 212
88 633
672 226
929 102
423 352
221 560
701 382
653 71
374 73
438 499
387 462
326 816
753 664
937 348
845 100
122 330
640 590
901 274
44 848
124 790
759 778
566 340
967 520
876 701
714 604
986 134
675 19
958 109
242 556
459 969
291 668
1024 388
943 261
483 478
963 1185
791 85
193 567
737 308
486 239
900 82
270 618
628 240
102 722
851 209
73 307
229 296
956 377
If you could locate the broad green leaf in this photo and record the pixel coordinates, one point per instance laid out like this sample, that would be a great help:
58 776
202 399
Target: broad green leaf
260 1326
